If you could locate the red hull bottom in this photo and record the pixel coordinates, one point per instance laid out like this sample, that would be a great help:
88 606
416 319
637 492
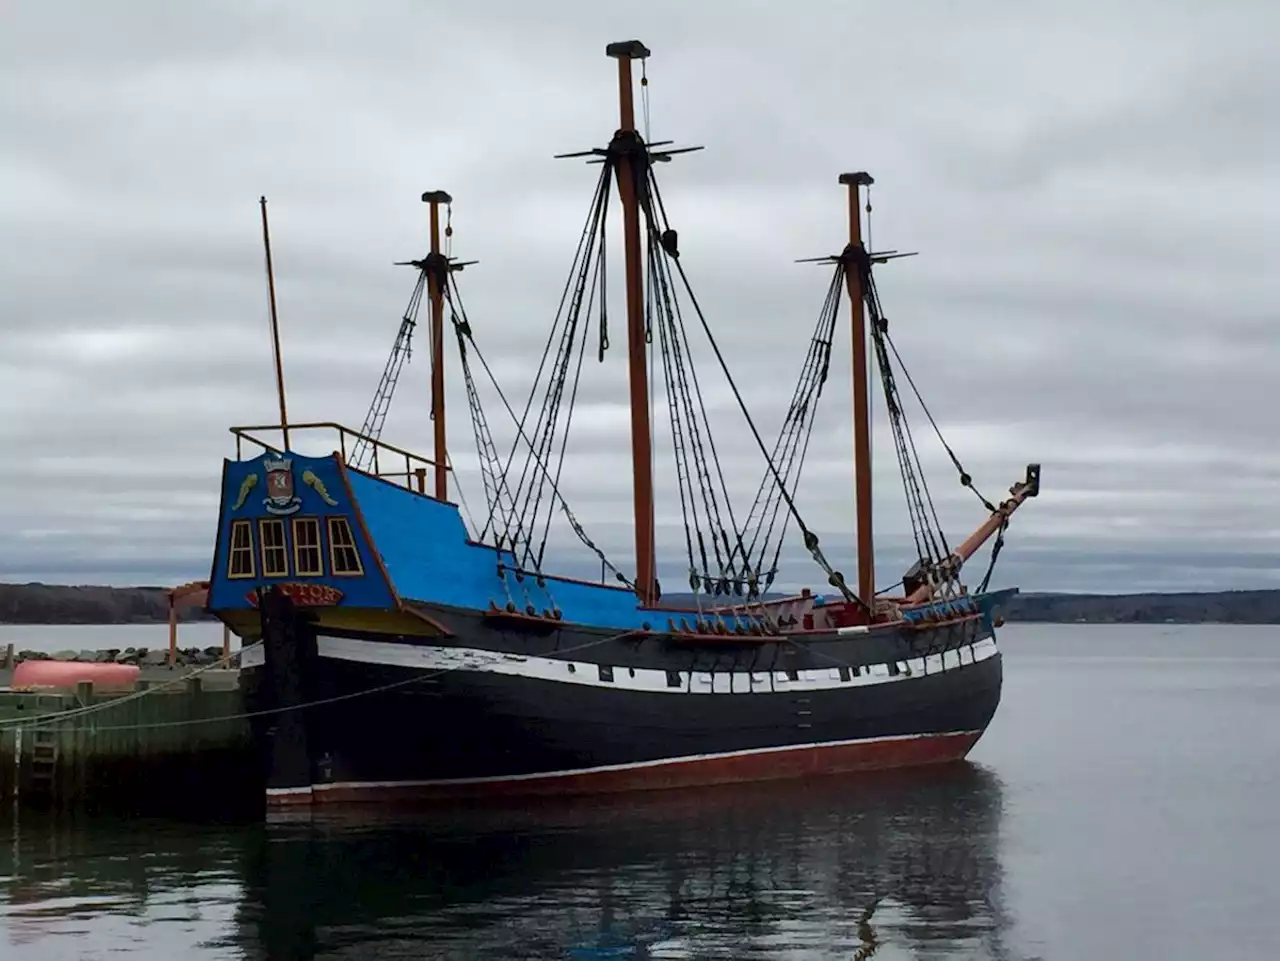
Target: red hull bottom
769 764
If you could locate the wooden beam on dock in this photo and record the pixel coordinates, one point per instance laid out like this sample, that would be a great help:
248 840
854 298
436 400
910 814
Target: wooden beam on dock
189 595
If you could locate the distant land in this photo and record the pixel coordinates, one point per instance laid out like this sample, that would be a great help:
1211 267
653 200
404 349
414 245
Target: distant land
58 604
1225 607
61 604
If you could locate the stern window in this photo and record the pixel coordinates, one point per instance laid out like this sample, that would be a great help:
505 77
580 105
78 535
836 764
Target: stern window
240 558
275 560
306 547
343 555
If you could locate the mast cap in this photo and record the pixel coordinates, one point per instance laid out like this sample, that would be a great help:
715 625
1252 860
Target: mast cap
861 178
633 49
436 197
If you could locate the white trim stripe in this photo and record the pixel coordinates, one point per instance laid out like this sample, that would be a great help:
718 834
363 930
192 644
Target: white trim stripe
435 658
632 766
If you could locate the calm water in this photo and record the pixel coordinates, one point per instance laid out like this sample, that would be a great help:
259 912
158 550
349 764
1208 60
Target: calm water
1123 805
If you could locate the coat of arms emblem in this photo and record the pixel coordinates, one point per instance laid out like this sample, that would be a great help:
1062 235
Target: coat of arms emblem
280 498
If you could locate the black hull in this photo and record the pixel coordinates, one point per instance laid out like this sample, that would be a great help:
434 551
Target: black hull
501 712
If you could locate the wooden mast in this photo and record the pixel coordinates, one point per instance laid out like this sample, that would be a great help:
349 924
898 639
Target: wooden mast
630 156
275 324
437 274
855 258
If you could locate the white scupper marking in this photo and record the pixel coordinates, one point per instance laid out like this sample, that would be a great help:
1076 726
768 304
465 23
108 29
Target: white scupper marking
566 671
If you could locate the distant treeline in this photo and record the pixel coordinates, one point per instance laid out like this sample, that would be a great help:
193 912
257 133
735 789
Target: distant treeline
56 604
1227 607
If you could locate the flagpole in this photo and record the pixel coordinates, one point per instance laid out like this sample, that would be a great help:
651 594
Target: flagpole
275 325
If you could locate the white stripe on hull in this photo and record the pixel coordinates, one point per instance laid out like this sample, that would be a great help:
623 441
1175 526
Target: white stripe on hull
273 792
435 658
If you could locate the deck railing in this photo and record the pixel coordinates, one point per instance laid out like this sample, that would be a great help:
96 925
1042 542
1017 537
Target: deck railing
413 476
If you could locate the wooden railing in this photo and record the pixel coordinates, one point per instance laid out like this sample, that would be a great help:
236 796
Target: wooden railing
413 476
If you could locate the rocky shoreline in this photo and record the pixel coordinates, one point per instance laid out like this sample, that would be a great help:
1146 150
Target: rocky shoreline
141 656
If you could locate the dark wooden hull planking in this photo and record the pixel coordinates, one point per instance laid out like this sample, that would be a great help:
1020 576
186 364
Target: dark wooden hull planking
492 712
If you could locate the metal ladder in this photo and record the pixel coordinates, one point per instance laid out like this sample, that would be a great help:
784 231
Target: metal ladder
43 753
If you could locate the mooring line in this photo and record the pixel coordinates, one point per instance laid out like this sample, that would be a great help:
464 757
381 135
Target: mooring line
94 708
189 722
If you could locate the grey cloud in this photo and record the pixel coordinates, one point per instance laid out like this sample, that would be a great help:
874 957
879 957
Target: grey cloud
1091 191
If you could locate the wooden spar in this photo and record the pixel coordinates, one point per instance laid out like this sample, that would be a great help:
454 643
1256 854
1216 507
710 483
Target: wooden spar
194 593
275 324
626 147
437 273
1018 493
861 392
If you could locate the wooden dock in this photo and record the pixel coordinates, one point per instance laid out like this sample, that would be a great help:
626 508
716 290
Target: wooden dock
174 745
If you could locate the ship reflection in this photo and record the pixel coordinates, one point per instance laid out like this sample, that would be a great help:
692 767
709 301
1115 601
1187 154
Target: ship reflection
894 865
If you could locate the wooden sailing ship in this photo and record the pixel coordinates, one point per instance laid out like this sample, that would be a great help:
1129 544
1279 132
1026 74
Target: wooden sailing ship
404 655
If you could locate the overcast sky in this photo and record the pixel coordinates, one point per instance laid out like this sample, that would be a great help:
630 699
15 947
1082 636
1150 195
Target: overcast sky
1092 189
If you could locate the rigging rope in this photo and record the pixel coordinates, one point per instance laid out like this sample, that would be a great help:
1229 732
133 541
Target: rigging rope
931 542
41 719
926 529
657 213
585 274
965 479
793 437
401 352
695 454
644 95
584 282
494 482
995 553
723 556
546 351
55 717
499 474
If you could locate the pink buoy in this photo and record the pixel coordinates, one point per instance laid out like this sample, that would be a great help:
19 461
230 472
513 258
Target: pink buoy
30 675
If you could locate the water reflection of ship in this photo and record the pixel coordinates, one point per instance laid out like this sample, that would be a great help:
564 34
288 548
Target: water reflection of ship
844 866
56 873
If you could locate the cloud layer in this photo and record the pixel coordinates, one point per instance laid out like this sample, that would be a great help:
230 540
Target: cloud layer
1092 194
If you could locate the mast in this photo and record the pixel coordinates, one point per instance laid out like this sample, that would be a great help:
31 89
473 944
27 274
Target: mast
855 260
437 274
275 324
631 155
